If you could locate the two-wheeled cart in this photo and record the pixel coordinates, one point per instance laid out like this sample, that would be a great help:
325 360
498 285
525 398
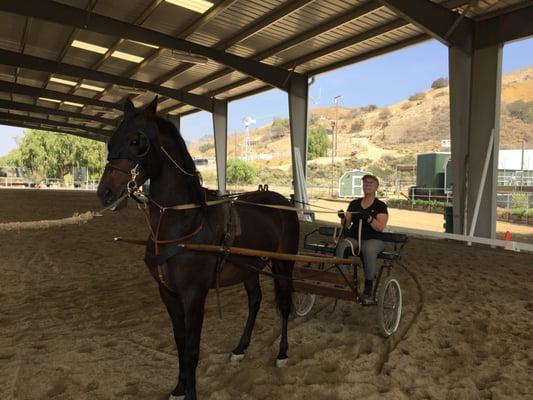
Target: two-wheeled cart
318 272
339 279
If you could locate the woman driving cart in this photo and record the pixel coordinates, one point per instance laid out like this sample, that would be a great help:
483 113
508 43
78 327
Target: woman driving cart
373 215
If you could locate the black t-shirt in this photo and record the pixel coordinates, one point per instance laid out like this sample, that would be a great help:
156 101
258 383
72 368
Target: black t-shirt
377 207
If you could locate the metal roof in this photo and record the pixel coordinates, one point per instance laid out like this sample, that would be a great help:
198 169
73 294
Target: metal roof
50 80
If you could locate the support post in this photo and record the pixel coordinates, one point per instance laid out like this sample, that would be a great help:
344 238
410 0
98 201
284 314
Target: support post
298 100
176 121
475 91
220 128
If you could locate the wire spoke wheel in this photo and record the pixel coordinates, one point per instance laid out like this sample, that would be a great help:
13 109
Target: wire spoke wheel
302 303
389 307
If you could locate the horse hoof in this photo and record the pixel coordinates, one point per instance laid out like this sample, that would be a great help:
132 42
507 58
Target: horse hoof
281 363
236 357
172 397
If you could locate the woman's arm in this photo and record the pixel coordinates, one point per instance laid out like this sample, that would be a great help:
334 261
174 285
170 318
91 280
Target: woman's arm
380 222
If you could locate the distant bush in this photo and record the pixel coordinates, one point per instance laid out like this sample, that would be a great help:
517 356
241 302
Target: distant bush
369 108
519 200
205 147
318 142
385 113
280 127
522 110
417 96
406 106
357 126
240 172
440 83
440 94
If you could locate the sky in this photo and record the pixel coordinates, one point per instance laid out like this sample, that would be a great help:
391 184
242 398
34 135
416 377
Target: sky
382 81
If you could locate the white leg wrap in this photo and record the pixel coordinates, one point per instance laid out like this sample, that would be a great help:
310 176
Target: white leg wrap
172 397
236 357
282 363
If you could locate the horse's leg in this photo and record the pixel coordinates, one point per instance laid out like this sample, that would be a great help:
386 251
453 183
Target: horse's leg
175 311
194 305
283 289
253 289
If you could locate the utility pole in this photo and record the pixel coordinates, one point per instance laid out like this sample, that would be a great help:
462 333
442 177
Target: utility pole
334 131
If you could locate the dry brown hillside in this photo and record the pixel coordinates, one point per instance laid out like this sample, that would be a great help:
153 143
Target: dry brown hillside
412 126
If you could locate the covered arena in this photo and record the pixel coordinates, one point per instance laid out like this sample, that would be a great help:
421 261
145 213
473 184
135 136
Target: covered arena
80 317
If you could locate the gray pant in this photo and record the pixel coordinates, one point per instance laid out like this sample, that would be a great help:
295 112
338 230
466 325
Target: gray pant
369 251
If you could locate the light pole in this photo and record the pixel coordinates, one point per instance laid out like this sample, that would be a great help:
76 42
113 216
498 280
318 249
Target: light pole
334 131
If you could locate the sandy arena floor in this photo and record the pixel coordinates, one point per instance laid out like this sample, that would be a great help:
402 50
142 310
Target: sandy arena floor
80 318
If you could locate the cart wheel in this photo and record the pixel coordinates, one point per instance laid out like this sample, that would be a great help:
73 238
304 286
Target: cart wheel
302 303
389 306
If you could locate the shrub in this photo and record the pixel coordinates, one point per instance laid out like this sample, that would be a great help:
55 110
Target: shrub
369 108
417 96
406 106
440 94
385 113
318 142
205 147
519 200
240 172
522 110
357 126
280 127
440 83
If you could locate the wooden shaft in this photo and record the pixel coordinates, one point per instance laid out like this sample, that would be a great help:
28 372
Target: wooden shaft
241 251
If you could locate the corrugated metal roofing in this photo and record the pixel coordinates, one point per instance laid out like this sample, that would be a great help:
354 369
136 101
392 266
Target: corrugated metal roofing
311 36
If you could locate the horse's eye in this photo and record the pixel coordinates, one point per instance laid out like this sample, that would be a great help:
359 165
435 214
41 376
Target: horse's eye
135 142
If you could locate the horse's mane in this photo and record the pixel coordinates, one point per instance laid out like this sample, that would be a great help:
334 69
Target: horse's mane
184 159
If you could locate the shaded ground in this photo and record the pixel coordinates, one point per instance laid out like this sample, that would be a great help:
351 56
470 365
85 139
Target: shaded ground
80 318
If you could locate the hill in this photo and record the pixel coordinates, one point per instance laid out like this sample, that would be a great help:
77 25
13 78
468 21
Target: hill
377 139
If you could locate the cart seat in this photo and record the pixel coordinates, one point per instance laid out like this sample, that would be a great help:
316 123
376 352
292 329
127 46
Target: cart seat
329 247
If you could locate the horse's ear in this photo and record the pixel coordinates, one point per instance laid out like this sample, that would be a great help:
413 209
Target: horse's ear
129 108
151 109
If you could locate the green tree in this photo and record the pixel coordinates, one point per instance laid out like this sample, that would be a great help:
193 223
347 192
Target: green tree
439 83
318 142
240 172
206 147
11 159
280 127
54 155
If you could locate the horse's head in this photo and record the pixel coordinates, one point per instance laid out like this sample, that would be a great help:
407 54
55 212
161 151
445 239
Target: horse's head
133 154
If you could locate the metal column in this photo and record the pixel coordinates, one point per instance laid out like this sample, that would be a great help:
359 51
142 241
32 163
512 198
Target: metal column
298 99
220 127
475 91
176 121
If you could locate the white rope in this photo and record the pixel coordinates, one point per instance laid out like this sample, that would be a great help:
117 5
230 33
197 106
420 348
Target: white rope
76 219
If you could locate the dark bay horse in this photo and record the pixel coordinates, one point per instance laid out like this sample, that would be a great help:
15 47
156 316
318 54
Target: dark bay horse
146 146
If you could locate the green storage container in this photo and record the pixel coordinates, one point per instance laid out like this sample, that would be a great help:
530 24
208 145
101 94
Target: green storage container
430 170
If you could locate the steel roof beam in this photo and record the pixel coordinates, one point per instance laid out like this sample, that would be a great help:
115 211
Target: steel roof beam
20 124
41 64
447 26
514 25
327 26
343 63
311 56
35 92
24 118
13 105
250 30
204 19
285 45
67 15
